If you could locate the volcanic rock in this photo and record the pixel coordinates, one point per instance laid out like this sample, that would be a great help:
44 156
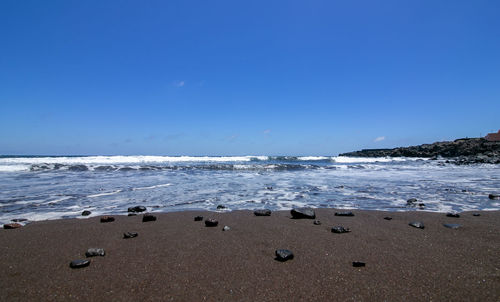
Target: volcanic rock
263 212
283 255
10 226
95 252
340 229
494 196
358 264
344 214
107 219
128 235
417 224
137 209
452 225
411 202
300 213
476 214
79 263
198 218
455 215
148 217
221 207
388 218
86 213
211 223
19 220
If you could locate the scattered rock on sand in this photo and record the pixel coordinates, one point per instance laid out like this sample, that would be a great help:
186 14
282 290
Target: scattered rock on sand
454 215
137 209
95 252
221 207
132 214
494 196
452 225
262 212
128 235
283 255
476 214
79 263
388 218
358 264
417 224
411 202
340 229
344 213
107 219
10 226
300 213
198 218
19 220
211 223
148 217
86 213
226 228
317 222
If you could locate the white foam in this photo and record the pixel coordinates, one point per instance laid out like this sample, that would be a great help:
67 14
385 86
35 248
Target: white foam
14 168
313 158
152 187
104 194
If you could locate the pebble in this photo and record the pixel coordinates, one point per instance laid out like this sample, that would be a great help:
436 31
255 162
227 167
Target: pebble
127 235
283 255
358 264
388 218
10 226
455 215
262 212
422 205
340 229
79 263
198 218
19 220
344 214
137 209
494 196
300 213
86 213
148 217
211 223
417 224
107 219
132 214
476 214
452 225
95 252
226 228
221 207
411 201
317 222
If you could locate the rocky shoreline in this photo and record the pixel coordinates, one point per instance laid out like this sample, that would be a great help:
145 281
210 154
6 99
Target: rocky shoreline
460 151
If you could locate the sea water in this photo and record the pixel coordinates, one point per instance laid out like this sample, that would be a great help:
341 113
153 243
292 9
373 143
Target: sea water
40 188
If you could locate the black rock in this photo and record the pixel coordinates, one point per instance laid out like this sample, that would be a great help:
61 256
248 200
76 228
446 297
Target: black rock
211 223
221 207
283 255
148 217
455 215
422 205
300 213
19 220
128 235
417 224
340 229
411 202
262 212
452 225
494 196
344 214
358 264
107 219
95 252
269 188
317 222
476 214
198 218
132 214
137 209
86 213
79 263
388 218
226 228
10 226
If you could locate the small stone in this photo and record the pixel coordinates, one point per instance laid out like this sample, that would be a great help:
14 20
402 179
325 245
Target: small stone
317 222
211 223
283 255
221 207
262 212
494 196
198 218
137 209
421 205
344 213
388 218
107 219
19 220
269 188
358 264
226 228
128 235
411 202
86 213
132 214
417 224
300 213
95 252
148 217
10 226
455 215
340 229
452 225
79 263
476 214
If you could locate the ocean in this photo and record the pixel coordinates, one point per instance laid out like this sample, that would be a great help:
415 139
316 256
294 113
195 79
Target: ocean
54 187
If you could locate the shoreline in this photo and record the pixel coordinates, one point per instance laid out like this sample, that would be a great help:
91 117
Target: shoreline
177 258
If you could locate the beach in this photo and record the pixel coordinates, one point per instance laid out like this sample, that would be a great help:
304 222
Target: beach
178 259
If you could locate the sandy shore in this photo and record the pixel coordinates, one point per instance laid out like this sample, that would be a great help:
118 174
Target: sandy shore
176 258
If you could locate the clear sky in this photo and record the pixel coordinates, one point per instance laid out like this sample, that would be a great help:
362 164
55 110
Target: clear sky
245 77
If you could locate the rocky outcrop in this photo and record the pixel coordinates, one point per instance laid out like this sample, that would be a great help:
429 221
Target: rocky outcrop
460 151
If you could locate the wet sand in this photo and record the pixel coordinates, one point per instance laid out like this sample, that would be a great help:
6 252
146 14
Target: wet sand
178 259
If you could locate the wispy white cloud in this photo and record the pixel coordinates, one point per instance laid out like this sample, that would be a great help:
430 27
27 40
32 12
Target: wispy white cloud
179 83
379 139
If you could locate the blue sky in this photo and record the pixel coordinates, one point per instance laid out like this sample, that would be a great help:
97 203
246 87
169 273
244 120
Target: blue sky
245 77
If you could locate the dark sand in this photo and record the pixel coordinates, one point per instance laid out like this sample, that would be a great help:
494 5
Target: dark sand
176 258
